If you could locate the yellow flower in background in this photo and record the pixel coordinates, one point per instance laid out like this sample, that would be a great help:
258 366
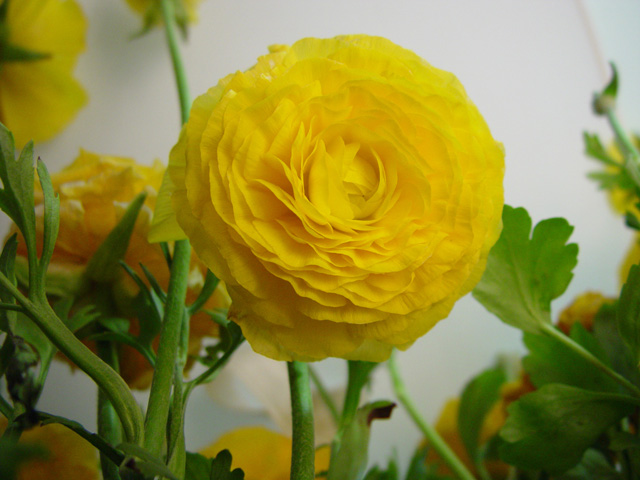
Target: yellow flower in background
186 11
631 258
95 190
582 310
70 456
346 191
39 96
262 454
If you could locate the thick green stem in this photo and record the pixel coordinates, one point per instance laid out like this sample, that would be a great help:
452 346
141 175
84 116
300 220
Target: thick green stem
303 449
177 448
102 374
352 397
108 424
178 67
174 315
580 350
433 437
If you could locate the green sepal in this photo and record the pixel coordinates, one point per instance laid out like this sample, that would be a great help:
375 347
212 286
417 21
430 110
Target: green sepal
524 273
16 53
551 428
210 284
104 265
392 472
51 219
477 400
628 315
200 467
550 361
149 309
350 446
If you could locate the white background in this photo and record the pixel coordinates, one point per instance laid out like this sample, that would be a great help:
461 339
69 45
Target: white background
530 66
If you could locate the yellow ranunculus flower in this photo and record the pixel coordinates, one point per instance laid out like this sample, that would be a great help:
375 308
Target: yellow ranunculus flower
95 190
70 456
346 191
261 453
39 97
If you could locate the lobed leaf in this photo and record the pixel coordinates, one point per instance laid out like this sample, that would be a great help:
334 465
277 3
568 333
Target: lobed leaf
525 273
628 314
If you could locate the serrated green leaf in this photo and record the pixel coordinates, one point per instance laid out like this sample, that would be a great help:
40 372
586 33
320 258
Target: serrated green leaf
595 150
550 361
477 399
525 273
221 468
51 217
628 317
7 267
104 265
551 428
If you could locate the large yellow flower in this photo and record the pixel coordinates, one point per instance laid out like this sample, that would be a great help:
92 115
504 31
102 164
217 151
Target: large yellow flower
39 97
262 454
94 192
346 191
69 456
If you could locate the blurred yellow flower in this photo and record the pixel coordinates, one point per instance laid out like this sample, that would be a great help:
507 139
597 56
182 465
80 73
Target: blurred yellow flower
186 11
70 456
346 191
95 190
582 310
39 97
631 258
262 454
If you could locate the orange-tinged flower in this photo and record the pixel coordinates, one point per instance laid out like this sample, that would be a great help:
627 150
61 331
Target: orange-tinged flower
447 427
69 456
40 97
261 453
95 191
346 191
582 310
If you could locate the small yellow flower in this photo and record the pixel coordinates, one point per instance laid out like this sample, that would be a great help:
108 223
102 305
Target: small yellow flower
95 190
261 453
39 97
582 310
346 191
70 456
186 11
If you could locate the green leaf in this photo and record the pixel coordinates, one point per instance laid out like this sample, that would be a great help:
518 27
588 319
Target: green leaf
349 449
210 284
551 428
16 53
593 466
478 397
524 274
104 266
623 441
126 339
7 267
550 361
595 149
390 473
628 317
200 467
51 218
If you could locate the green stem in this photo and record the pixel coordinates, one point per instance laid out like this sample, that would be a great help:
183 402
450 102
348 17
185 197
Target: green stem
352 397
303 448
177 449
325 395
176 58
102 374
580 350
108 424
174 315
433 437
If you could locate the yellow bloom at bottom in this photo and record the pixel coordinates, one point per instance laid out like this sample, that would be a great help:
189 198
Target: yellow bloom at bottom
261 453
70 456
